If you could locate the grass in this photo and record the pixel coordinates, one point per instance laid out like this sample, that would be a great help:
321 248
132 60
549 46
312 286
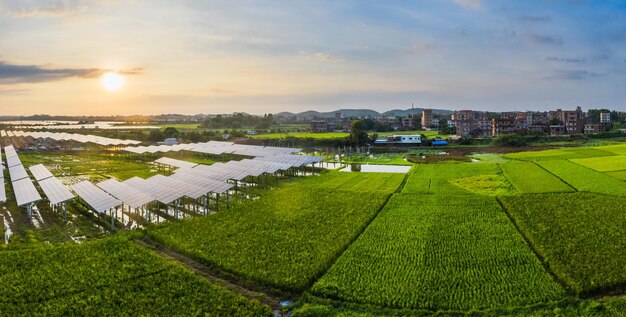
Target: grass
109 277
621 175
455 253
581 236
603 164
559 154
527 177
288 237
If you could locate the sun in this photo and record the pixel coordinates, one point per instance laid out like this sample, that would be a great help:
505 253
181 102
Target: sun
112 81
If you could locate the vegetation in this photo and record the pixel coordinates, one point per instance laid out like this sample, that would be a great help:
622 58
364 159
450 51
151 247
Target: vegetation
457 179
530 178
603 164
288 237
581 236
456 253
109 277
584 179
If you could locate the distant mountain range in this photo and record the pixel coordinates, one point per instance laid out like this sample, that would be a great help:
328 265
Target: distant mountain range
360 113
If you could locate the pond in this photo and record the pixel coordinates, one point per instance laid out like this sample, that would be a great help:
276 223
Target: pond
371 168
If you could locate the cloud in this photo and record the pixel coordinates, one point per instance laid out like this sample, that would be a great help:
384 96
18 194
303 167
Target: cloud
565 60
325 57
535 18
572 74
544 39
470 4
54 8
16 74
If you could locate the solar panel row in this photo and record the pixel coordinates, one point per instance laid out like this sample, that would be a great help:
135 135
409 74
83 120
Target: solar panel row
216 148
95 197
174 162
55 190
82 138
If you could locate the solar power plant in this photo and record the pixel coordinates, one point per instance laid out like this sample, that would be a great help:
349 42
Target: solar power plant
95 197
127 194
2 133
134 182
17 172
55 190
209 185
25 191
216 148
40 172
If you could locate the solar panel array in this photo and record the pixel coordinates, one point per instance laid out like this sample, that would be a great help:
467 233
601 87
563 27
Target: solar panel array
25 192
55 190
127 194
40 172
174 162
216 148
82 138
95 197
17 172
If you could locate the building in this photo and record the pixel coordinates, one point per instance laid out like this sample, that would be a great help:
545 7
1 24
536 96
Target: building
502 126
318 126
407 123
400 140
573 121
427 119
605 117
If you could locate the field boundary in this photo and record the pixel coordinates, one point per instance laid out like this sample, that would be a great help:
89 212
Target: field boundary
557 176
541 259
212 276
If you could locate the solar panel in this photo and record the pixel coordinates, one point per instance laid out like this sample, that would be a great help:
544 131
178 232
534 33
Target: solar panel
55 190
25 192
17 172
40 172
98 199
174 162
127 194
3 193
73 137
13 161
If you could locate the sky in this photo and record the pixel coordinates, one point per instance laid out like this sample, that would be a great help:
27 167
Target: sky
259 57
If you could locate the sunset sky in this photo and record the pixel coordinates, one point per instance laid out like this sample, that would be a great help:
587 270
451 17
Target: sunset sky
269 56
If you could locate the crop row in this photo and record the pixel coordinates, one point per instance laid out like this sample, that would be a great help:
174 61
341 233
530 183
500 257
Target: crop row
434 252
285 239
581 236
585 179
109 277
527 177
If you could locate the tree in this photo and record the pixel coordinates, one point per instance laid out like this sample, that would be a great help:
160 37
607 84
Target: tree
155 135
170 132
358 136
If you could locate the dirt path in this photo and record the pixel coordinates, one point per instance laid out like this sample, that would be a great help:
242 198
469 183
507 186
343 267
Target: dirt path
211 275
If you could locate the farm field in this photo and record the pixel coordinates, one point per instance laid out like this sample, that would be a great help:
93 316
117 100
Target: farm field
458 179
603 164
581 236
321 135
109 277
585 179
457 253
618 174
528 177
560 154
288 237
